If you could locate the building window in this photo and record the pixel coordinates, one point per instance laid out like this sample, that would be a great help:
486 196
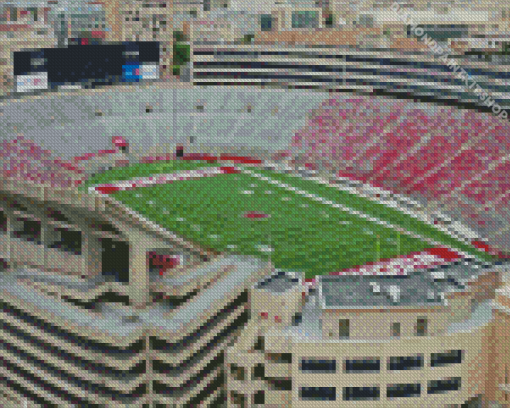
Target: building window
259 344
238 399
280 358
366 365
395 330
361 394
445 385
403 390
3 222
421 326
406 363
446 358
31 231
237 372
70 241
277 384
259 398
266 22
318 366
258 372
343 328
317 393
305 19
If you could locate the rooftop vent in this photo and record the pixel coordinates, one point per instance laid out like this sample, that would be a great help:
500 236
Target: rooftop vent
438 275
376 288
394 293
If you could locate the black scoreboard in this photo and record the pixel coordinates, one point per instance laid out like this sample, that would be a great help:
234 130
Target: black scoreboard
91 63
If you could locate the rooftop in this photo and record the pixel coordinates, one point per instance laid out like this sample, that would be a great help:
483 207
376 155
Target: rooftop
423 287
309 329
280 282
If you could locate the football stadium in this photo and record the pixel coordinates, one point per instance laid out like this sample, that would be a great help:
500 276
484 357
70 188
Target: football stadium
360 258
354 215
306 224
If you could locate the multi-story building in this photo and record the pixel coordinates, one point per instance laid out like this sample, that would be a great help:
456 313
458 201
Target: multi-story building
354 12
21 28
101 307
432 338
86 21
363 60
147 20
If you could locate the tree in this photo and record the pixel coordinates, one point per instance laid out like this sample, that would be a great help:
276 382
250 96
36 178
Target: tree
329 20
181 54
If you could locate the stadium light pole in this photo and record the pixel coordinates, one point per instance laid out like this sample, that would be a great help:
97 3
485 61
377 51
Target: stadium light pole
398 242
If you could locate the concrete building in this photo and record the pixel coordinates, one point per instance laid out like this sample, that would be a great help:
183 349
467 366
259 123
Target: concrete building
362 59
85 20
433 338
144 21
101 307
22 28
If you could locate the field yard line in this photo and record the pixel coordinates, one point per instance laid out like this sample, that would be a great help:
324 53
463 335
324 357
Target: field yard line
424 216
322 200
420 215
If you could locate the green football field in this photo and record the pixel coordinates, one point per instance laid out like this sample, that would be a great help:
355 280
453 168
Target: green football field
300 234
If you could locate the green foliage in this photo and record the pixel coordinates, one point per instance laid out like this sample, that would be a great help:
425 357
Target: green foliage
179 36
181 54
248 38
329 20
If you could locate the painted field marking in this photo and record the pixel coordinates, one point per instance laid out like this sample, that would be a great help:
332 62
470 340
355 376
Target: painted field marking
342 207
